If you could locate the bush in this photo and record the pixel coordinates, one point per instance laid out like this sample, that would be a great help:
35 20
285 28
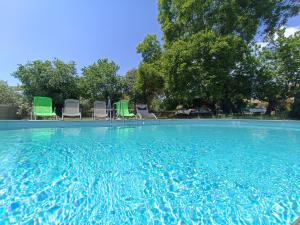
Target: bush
10 96
86 105
7 94
23 108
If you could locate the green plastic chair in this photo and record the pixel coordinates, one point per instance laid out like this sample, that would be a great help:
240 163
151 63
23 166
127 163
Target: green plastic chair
122 109
42 106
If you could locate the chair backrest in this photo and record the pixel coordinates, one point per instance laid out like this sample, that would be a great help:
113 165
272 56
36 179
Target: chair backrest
100 109
71 106
141 107
42 105
122 108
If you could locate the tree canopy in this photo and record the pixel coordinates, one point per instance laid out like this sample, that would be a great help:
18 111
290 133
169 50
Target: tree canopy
100 81
183 18
148 85
54 79
278 70
150 49
209 50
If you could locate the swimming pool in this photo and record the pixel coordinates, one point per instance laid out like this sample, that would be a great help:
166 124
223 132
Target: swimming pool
207 172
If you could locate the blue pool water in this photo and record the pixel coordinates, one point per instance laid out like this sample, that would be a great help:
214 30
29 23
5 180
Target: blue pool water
199 172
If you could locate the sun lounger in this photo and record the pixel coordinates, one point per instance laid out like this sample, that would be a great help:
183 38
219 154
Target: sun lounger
143 112
42 107
99 110
122 109
71 108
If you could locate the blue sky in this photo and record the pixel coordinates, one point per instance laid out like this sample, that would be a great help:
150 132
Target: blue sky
83 31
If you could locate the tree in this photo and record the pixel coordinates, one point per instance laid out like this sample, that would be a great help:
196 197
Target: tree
54 79
150 49
149 84
8 95
182 18
286 57
208 47
201 67
269 85
100 81
128 84
278 76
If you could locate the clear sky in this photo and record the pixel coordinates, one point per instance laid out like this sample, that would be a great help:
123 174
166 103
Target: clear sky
79 30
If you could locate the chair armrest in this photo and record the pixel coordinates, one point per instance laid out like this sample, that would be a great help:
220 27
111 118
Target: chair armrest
139 115
154 116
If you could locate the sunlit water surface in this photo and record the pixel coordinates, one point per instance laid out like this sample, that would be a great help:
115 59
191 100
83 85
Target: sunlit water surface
214 172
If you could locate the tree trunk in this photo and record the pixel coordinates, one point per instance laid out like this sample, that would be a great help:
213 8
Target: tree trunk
271 107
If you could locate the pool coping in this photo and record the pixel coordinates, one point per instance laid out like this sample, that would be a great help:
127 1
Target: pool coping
28 124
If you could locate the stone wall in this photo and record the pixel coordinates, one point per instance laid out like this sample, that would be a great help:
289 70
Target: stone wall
8 112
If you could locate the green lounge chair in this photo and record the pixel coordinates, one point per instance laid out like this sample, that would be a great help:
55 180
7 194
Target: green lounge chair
42 106
122 109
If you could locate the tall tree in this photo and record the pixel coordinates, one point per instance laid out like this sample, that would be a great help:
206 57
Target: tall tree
150 49
128 84
54 79
100 81
183 18
278 74
200 67
148 84
208 46
286 56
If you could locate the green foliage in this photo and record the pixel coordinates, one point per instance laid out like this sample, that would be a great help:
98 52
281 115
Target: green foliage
8 95
183 18
143 85
24 108
150 49
278 76
54 79
128 84
100 81
208 51
201 67
286 57
86 107
148 84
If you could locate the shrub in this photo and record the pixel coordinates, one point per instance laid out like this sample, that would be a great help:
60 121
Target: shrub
7 94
